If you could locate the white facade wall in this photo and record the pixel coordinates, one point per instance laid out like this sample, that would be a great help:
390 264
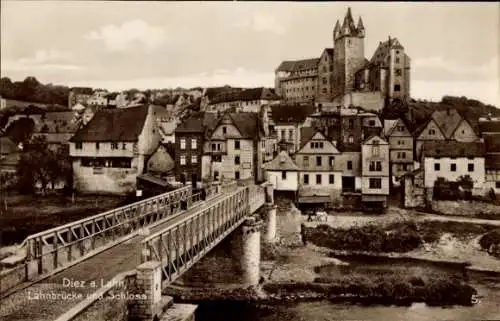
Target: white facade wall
478 175
325 180
290 183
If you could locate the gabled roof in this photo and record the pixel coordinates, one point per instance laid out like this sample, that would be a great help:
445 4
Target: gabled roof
422 127
282 162
441 148
248 124
306 134
370 140
119 125
383 49
448 120
389 125
298 65
7 145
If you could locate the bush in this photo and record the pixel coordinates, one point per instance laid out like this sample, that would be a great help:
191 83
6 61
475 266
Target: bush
489 239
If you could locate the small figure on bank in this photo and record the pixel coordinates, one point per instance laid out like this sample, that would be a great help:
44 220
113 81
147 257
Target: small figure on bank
303 233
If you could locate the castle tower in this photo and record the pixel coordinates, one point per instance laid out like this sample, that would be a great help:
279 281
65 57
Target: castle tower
348 54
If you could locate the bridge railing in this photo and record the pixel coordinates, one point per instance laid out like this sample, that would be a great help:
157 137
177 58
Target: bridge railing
61 246
181 245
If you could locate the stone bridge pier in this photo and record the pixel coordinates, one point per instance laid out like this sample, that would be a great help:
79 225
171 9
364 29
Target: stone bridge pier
243 245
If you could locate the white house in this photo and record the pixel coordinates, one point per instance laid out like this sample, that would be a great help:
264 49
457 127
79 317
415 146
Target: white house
375 171
283 173
451 160
111 150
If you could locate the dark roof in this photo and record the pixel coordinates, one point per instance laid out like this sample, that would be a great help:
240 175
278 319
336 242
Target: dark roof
291 114
112 96
282 162
450 148
121 124
448 120
489 126
57 122
245 95
197 123
211 92
297 65
306 134
248 124
7 145
492 162
492 143
329 51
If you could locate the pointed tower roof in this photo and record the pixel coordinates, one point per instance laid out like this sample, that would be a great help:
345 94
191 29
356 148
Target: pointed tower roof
337 26
348 27
360 24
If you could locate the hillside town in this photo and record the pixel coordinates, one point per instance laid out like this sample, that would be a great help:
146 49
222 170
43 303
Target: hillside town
370 169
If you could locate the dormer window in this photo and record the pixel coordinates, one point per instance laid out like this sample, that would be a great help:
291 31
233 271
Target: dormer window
224 130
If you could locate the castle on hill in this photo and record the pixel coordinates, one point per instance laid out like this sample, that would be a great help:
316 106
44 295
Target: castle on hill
343 76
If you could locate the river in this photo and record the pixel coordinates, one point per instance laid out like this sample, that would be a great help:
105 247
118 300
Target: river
487 308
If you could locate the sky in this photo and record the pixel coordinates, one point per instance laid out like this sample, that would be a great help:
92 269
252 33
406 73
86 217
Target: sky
454 47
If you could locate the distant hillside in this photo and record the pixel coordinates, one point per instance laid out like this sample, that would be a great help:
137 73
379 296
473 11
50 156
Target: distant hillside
416 112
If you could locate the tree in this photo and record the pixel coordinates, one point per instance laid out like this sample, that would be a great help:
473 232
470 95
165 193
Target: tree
41 165
21 130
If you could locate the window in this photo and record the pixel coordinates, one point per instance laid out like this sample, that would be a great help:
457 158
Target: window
306 161
236 144
193 143
78 145
453 167
97 146
401 128
376 150
375 183
398 72
306 179
351 124
324 90
497 184
183 160
470 167
283 175
283 134
325 81
290 135
236 160
349 164
318 179
318 160
375 166
237 175
183 143
432 132
124 146
371 123
331 179
397 87
224 130
331 160
351 139
437 167
397 60
194 159
216 158
114 146
313 145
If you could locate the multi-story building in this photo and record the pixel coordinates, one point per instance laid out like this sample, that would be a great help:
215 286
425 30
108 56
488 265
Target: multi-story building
235 148
98 98
375 172
445 124
211 93
297 81
344 76
401 148
451 160
189 141
490 132
248 100
320 179
111 150
283 173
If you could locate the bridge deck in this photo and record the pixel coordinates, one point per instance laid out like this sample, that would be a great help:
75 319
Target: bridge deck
29 304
